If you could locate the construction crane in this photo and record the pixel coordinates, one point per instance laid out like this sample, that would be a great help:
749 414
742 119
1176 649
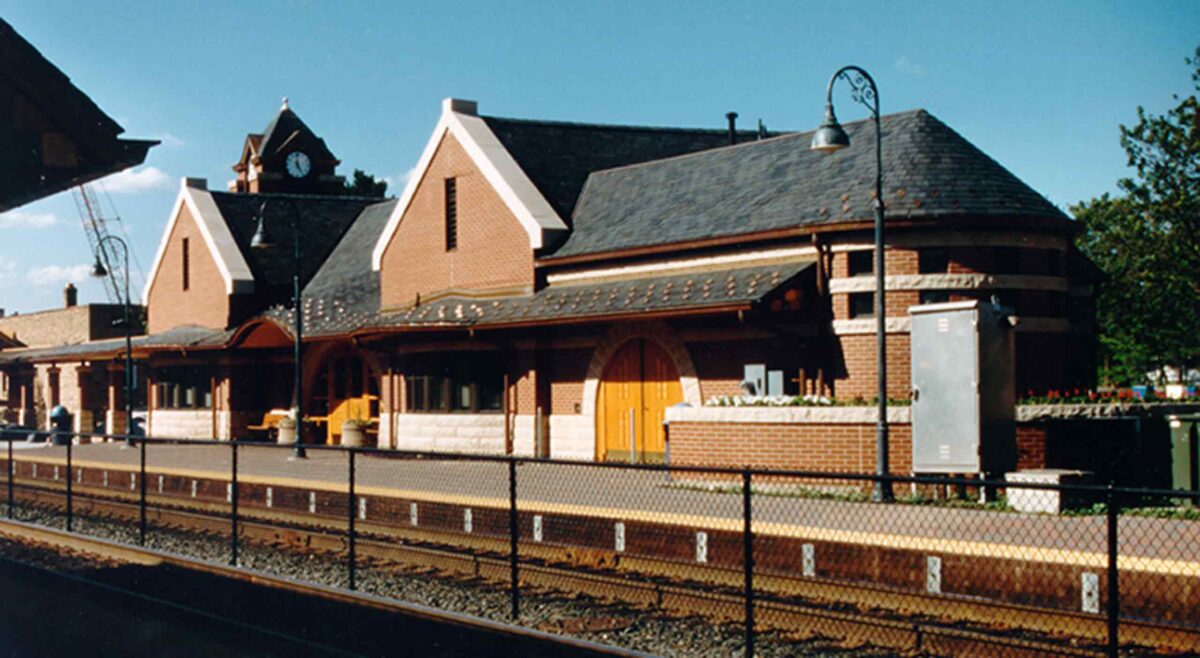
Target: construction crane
96 228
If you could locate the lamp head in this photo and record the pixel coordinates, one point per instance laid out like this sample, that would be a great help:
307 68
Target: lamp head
98 269
830 136
261 239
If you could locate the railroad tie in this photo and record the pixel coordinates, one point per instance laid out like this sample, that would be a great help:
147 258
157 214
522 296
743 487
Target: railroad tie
1090 592
933 574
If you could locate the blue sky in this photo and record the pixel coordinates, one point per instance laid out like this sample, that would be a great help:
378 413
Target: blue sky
1040 86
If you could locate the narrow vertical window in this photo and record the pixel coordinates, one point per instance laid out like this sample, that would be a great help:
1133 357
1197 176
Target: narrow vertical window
451 214
187 274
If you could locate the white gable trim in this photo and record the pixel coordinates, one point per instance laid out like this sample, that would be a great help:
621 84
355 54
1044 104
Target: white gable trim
225 252
496 164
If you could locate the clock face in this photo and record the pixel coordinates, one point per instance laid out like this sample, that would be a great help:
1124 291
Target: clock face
298 164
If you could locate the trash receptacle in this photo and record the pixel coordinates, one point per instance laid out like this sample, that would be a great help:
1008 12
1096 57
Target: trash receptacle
1185 452
60 425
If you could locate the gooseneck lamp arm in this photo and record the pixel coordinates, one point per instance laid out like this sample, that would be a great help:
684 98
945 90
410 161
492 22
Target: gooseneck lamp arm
98 270
832 137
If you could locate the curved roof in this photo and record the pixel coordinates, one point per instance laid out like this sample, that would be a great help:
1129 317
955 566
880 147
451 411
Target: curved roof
930 171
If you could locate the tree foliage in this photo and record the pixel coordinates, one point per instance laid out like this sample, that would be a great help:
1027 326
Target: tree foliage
364 184
1148 245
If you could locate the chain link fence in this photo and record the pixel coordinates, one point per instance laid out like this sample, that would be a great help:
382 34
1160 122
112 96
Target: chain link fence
671 560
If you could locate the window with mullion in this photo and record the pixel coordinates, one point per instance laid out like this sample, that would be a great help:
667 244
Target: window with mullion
455 384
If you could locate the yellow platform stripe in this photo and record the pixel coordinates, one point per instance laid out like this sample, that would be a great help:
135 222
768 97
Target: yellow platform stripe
932 545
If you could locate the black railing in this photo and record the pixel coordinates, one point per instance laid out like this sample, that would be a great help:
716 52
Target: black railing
792 538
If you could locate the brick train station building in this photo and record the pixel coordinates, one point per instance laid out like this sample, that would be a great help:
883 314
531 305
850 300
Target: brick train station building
549 288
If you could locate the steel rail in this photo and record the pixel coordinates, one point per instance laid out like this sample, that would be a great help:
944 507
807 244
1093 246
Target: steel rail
151 557
671 586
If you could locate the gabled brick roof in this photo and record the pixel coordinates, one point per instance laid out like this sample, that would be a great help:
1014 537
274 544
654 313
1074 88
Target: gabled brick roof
558 156
930 171
344 294
322 222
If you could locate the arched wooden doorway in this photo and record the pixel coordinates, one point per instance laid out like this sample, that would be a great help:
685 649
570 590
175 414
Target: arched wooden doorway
345 388
639 383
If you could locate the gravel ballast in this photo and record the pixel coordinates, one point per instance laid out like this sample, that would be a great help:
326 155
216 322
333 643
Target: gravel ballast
577 616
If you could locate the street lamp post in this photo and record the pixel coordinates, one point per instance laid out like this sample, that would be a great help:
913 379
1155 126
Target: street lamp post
98 270
831 137
262 240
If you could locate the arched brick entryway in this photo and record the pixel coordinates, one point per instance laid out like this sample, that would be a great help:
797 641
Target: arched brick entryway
667 353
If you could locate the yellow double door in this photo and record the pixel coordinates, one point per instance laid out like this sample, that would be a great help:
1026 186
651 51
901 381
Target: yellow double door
639 383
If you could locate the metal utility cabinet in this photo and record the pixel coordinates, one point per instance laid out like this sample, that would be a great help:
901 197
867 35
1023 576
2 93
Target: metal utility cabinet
1185 452
963 397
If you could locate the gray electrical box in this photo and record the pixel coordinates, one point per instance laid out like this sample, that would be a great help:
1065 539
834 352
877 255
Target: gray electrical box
964 391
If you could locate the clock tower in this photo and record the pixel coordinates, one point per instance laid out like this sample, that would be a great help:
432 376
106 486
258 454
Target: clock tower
287 157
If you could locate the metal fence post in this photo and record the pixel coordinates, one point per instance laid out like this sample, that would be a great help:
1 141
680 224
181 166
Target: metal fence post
350 509
12 472
1114 591
142 495
512 538
748 560
233 502
70 500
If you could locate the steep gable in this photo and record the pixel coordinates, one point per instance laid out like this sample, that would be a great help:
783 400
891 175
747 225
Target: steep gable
187 285
493 254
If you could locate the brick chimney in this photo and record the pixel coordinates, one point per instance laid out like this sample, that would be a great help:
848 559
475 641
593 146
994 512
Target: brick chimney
70 295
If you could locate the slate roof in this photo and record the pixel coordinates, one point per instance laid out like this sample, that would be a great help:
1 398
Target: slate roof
322 221
597 300
558 156
344 294
930 171
184 336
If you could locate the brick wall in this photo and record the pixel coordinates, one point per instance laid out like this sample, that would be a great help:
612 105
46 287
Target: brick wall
1031 446
205 302
831 447
63 326
566 386
493 249
858 353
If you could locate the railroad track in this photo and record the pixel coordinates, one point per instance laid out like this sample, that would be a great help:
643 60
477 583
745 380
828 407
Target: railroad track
795 607
503 639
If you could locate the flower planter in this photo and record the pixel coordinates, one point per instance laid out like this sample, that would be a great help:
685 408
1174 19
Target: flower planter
354 434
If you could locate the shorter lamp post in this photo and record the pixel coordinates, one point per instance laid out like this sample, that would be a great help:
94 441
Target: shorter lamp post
98 270
262 240
832 137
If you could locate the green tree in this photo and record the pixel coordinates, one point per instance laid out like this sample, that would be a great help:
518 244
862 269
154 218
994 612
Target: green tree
364 184
1148 245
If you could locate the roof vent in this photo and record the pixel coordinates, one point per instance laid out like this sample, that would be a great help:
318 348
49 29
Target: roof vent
732 117
460 106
